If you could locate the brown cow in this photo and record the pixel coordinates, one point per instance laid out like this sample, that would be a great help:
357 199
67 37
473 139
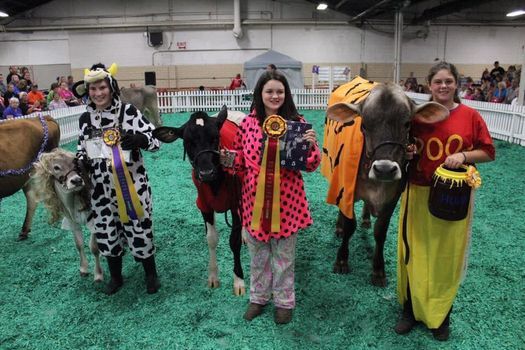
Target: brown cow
21 142
145 99
386 115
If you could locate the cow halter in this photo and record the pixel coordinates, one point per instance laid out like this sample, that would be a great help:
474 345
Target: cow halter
62 179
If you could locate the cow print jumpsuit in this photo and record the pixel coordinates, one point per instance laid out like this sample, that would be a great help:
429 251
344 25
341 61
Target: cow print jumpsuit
110 232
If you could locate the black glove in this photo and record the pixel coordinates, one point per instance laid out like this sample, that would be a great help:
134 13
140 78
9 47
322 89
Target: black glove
132 141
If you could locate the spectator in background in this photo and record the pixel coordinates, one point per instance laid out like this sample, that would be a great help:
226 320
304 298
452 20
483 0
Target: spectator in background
9 93
497 71
56 103
23 72
500 93
469 94
15 79
26 107
485 76
13 71
70 82
13 110
512 91
412 80
27 78
35 95
67 95
22 86
511 73
478 94
52 90
237 83
3 87
271 67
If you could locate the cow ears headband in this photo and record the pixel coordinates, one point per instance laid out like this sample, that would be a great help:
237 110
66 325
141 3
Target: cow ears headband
91 76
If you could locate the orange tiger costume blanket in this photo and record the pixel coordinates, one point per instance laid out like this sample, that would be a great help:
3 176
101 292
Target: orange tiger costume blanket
342 146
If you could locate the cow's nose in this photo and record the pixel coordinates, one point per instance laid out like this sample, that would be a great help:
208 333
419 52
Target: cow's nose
385 168
77 181
207 174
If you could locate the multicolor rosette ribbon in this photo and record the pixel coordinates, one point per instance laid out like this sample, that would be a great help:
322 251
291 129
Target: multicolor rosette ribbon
266 211
128 201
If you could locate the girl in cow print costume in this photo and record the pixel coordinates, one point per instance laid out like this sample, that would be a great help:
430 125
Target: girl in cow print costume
113 228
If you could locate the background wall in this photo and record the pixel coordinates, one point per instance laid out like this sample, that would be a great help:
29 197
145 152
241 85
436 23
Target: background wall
76 35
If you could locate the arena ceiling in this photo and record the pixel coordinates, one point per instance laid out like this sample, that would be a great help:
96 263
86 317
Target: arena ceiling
415 12
418 12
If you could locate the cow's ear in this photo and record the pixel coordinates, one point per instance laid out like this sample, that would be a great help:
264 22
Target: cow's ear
431 112
168 134
343 112
221 117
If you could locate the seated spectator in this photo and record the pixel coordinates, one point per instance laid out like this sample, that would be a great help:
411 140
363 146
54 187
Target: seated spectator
27 78
512 92
70 82
237 83
469 94
462 91
413 80
500 93
67 96
22 86
485 76
15 79
26 107
478 94
36 95
52 90
56 103
13 70
3 87
9 93
13 110
410 87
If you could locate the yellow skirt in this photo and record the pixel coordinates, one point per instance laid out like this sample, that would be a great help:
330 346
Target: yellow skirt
437 252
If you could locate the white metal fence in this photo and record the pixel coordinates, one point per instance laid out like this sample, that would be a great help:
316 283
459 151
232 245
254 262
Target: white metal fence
505 122
67 119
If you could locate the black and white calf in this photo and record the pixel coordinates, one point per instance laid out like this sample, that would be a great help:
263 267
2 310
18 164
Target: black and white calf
218 191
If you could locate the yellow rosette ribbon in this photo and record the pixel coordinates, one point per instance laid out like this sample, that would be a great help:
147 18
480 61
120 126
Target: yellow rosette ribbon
473 177
266 211
128 201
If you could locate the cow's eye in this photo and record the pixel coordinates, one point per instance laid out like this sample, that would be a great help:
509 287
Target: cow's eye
56 167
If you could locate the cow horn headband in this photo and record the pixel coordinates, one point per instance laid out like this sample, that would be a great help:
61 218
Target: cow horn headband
91 76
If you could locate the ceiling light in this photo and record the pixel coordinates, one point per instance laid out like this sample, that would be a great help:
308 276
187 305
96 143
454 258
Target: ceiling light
322 6
3 14
516 13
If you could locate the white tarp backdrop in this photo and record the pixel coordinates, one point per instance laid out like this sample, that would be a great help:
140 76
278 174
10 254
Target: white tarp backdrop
290 67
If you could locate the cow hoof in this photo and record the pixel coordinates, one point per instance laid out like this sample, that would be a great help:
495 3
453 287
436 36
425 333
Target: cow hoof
341 267
366 223
239 291
22 237
378 281
84 274
98 279
213 283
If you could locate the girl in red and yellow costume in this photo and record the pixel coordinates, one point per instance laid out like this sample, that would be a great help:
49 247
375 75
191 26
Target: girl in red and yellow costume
432 252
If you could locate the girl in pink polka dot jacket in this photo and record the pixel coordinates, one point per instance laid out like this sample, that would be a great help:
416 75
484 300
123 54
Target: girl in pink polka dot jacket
272 248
